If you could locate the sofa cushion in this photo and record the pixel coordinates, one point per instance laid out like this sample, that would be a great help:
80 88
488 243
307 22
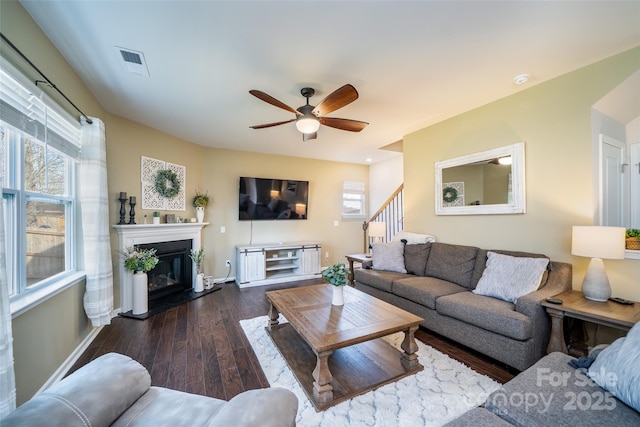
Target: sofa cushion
166 407
552 393
415 258
377 278
388 256
617 368
118 380
454 263
478 417
424 290
491 314
508 278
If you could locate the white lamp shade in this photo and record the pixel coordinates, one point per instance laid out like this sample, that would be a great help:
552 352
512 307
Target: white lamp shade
308 124
301 208
598 242
377 229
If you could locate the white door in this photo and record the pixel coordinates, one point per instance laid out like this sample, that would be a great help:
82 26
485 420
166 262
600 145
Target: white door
252 266
634 171
611 182
311 259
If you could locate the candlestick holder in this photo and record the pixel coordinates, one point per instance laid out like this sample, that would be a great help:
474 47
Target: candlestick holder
132 212
123 212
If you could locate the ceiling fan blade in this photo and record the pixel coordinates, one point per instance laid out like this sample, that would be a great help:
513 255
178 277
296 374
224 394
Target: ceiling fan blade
271 100
343 124
309 136
337 99
268 125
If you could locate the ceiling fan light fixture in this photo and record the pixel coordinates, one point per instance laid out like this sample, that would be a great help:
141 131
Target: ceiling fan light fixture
306 124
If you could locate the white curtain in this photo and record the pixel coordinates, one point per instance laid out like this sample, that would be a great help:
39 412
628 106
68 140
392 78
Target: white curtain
94 205
7 376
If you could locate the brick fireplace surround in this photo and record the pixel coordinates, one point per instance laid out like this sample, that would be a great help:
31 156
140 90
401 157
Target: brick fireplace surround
133 235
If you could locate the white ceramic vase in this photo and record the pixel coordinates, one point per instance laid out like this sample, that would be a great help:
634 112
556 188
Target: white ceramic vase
338 295
156 220
200 213
140 293
199 286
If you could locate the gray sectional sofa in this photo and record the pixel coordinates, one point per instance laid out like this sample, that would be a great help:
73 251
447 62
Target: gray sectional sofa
436 284
554 393
114 390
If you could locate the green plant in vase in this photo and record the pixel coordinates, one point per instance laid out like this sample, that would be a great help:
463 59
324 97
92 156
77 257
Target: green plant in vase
200 201
336 275
632 239
197 257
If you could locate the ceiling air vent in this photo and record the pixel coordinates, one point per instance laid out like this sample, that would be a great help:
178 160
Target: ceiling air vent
133 61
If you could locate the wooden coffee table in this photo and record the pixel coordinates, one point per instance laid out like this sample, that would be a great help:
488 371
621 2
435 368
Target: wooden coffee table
336 352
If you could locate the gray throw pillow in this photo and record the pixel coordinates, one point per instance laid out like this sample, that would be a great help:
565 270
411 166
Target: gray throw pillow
508 278
617 368
388 256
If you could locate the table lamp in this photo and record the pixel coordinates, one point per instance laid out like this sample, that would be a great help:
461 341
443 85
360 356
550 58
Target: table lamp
377 230
597 243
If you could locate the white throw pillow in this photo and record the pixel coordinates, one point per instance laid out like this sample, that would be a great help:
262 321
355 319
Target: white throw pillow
413 238
388 256
508 277
617 368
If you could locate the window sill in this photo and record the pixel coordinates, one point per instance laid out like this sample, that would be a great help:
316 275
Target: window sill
631 254
28 300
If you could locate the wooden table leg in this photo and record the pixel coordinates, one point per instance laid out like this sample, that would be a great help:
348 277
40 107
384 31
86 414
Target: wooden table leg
350 275
322 388
273 317
409 357
556 341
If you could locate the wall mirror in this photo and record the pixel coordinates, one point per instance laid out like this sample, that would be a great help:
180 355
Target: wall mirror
488 182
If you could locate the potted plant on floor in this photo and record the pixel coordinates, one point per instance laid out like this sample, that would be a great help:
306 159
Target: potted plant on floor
632 239
200 202
140 261
336 275
197 257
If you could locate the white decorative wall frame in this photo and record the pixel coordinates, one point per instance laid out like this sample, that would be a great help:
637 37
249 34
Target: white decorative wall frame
151 199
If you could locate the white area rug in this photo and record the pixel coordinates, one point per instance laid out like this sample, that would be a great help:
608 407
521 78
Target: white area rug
441 392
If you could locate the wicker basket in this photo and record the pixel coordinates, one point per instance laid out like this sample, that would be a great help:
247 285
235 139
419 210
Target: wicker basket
633 243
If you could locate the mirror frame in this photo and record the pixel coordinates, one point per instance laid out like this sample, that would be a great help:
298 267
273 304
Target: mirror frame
516 151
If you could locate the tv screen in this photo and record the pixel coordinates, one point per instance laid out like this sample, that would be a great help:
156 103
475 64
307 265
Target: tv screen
272 199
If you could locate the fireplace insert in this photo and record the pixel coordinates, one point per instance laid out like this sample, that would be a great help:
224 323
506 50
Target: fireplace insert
174 271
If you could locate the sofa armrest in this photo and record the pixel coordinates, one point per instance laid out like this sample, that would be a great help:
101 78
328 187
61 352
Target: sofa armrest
95 395
559 281
267 407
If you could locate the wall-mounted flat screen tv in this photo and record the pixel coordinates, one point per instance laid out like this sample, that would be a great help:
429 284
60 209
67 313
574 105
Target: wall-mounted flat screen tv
272 199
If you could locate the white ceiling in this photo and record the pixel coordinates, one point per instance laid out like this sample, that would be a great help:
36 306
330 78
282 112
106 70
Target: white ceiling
414 63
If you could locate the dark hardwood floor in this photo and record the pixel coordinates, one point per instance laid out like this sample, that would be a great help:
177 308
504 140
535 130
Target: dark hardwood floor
199 346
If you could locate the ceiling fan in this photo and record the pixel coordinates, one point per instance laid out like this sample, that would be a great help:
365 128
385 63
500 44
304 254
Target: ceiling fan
309 118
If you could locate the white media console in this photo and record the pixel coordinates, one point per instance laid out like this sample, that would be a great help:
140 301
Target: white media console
258 265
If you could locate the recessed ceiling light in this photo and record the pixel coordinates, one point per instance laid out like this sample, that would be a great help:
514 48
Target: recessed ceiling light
521 79
368 160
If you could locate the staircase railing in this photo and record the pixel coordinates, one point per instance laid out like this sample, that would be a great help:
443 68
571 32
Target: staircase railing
391 213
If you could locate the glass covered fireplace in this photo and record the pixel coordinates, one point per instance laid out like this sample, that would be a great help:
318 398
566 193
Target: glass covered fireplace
173 273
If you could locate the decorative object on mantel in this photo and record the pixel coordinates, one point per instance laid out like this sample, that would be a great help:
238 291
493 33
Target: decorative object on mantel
163 185
156 217
200 202
132 212
597 242
632 239
336 275
140 261
197 257
123 210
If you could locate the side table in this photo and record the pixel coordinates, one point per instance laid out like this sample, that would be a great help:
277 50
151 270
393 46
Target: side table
576 306
359 258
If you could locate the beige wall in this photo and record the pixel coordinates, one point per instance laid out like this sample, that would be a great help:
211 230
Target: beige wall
554 121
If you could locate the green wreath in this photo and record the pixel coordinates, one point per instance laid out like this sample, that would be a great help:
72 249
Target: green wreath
161 184
449 194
